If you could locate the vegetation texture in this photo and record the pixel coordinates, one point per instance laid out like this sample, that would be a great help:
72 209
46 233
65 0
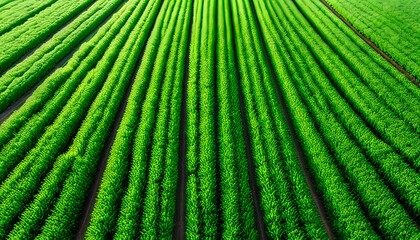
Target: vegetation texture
208 119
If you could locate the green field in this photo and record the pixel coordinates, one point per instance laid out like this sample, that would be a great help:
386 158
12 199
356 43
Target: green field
209 119
393 25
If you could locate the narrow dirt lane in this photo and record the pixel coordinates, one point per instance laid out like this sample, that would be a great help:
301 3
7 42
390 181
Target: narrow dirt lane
373 45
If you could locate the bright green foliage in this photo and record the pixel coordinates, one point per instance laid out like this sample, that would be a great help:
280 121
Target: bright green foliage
45 107
202 215
159 204
272 148
132 204
109 198
30 71
395 167
393 25
7 4
382 207
25 37
21 11
87 145
236 202
293 124
16 190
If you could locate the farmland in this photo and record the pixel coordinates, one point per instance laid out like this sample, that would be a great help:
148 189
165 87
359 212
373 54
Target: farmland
392 25
205 119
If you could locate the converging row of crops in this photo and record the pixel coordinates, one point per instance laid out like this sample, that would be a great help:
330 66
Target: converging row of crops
393 25
202 119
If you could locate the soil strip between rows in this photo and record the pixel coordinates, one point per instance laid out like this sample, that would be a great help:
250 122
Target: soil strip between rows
258 214
93 191
179 227
373 45
24 19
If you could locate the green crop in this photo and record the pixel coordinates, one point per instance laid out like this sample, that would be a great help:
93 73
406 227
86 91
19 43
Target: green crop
398 24
208 119
28 35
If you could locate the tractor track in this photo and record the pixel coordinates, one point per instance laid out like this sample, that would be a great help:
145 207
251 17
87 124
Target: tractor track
373 45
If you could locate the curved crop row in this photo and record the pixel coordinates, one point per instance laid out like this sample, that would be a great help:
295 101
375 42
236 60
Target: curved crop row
6 2
21 130
23 181
26 36
81 156
370 65
392 25
380 204
378 114
18 14
27 73
393 165
50 97
206 119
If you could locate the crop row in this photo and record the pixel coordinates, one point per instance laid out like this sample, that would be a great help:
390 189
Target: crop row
201 156
343 150
147 206
19 187
19 12
391 25
236 200
283 190
40 110
34 68
25 37
5 2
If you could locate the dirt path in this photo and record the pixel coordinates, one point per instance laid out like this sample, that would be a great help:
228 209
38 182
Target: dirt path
372 45
179 228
